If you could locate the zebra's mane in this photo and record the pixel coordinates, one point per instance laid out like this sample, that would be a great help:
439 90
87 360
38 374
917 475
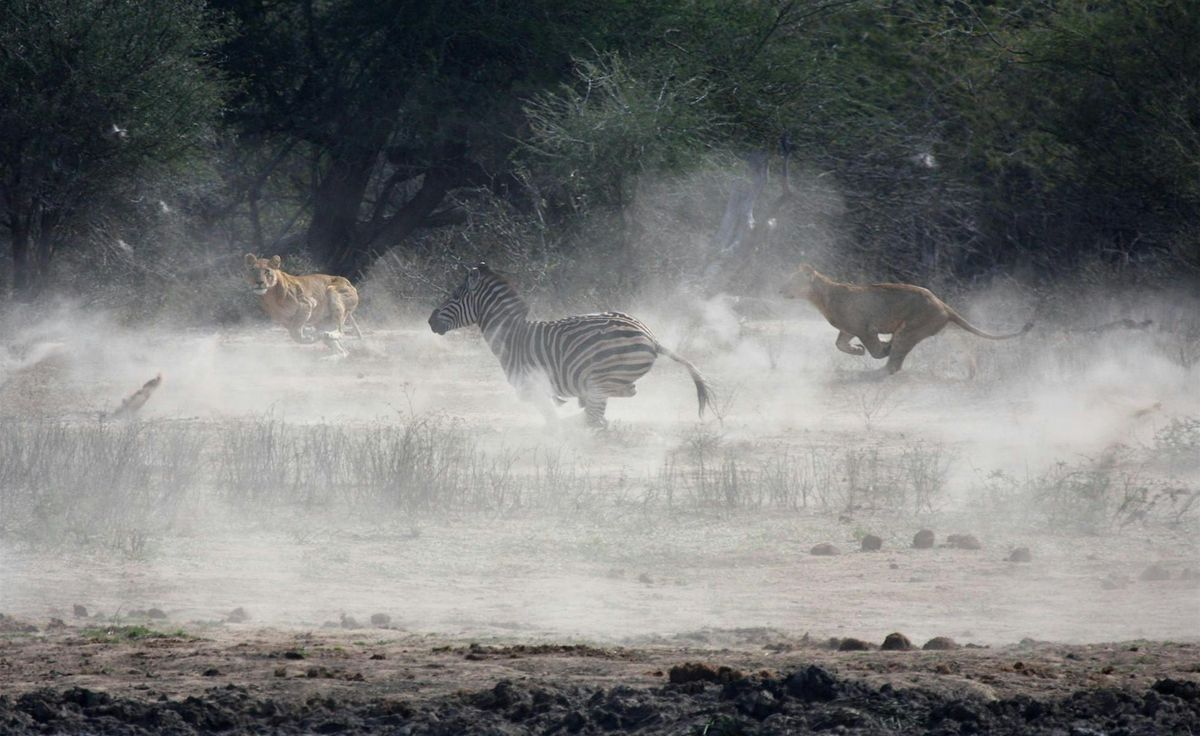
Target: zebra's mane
514 293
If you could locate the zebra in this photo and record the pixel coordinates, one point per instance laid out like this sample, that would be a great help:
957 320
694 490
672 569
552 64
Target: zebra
593 357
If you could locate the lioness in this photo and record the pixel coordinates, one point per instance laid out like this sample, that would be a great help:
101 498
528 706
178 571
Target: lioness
908 313
298 302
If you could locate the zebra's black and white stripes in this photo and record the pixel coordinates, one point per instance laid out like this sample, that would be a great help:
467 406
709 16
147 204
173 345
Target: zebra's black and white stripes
593 357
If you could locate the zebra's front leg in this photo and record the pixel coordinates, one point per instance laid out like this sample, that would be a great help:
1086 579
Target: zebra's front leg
593 410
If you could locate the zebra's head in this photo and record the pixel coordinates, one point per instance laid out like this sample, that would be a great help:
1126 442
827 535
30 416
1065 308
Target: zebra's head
462 309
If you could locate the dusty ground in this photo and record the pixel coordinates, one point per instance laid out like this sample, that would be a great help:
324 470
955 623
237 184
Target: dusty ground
584 603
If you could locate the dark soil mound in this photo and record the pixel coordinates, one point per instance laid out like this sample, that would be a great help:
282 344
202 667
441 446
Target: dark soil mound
896 642
1020 554
806 700
940 644
872 543
963 541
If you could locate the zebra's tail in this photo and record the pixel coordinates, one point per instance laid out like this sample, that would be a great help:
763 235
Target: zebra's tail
703 392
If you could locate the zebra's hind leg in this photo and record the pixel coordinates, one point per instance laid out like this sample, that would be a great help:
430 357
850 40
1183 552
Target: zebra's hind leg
593 409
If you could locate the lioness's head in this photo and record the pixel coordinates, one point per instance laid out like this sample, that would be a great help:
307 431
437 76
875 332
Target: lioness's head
799 286
262 273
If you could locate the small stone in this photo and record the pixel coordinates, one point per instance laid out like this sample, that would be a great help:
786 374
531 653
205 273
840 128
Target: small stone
237 616
281 671
1155 572
349 622
940 644
896 642
380 619
963 541
645 579
378 656
56 624
156 613
824 549
923 539
850 644
212 672
872 543
293 654
80 611
1020 554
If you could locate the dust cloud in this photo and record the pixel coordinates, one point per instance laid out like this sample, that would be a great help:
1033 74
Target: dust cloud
409 479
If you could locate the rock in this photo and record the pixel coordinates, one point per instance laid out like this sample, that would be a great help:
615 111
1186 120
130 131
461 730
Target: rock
1020 554
212 672
349 622
701 672
80 611
56 624
896 642
380 619
923 539
824 549
811 684
1115 582
645 579
940 644
963 541
378 657
281 671
850 644
293 654
156 613
1155 572
872 543
237 616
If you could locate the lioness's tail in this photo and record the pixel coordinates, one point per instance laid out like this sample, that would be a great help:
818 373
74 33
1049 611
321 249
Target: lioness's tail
962 322
703 392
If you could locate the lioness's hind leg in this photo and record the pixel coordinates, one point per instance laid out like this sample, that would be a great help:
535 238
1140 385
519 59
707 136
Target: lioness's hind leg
905 340
876 347
843 344
337 312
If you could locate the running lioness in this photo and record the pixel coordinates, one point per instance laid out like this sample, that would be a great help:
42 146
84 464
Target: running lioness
908 313
299 303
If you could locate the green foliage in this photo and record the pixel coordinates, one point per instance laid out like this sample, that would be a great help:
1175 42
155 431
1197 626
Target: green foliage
94 95
590 138
955 138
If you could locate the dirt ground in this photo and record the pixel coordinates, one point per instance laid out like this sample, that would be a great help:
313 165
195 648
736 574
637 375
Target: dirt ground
548 614
244 679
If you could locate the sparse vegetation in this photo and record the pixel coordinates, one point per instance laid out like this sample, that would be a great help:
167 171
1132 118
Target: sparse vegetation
121 633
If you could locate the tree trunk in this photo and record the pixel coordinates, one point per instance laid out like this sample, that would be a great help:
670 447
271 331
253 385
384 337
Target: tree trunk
411 215
333 233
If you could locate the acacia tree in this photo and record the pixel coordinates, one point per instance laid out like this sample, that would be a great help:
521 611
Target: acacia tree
92 94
